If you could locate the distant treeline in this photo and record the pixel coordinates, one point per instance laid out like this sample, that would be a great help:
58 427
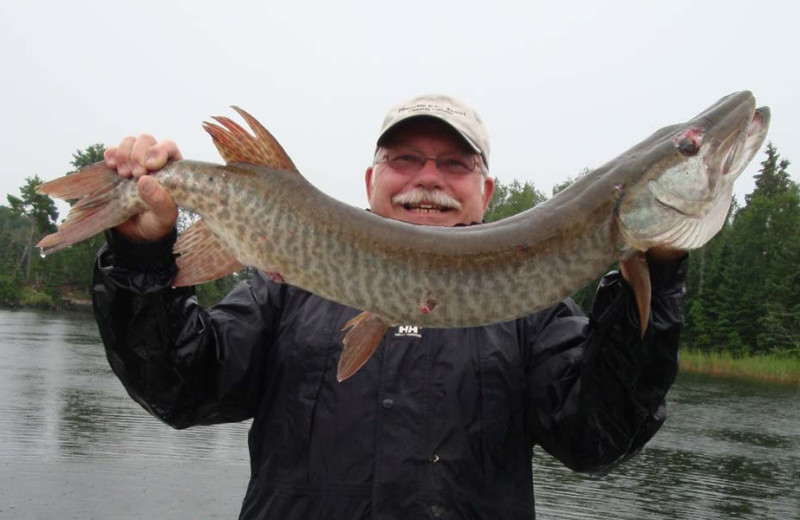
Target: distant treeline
743 291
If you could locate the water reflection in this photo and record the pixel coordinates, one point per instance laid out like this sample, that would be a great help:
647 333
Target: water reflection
60 400
729 449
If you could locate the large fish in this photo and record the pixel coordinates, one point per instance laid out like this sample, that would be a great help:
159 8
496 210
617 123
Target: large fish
673 189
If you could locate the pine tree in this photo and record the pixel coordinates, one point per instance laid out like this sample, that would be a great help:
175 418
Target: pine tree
773 177
40 209
40 212
764 267
92 154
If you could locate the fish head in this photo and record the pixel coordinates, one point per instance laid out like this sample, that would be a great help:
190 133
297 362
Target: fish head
683 184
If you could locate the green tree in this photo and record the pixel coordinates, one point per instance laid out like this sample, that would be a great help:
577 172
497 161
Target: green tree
511 199
773 177
697 326
711 291
14 231
92 154
14 234
41 213
765 269
40 209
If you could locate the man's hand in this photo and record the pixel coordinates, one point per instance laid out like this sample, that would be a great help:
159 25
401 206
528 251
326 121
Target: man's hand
136 157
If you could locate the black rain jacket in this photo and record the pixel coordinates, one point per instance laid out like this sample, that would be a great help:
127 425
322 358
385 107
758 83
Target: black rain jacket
440 423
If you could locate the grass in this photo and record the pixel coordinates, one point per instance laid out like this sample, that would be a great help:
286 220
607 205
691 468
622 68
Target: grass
779 369
32 298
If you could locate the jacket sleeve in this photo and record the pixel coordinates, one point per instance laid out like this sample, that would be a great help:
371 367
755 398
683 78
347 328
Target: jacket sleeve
182 363
596 389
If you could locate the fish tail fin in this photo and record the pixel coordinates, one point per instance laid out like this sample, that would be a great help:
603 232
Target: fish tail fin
364 333
98 208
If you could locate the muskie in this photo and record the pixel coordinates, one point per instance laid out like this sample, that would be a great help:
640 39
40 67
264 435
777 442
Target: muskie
673 189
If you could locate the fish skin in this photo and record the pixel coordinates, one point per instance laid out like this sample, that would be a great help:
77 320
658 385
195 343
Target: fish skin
273 219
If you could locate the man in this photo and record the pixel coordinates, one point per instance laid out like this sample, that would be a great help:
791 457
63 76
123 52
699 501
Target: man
439 423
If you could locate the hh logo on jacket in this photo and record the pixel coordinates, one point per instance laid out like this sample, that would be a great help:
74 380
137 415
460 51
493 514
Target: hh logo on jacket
408 330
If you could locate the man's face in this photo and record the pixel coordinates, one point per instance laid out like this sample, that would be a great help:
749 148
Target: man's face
388 188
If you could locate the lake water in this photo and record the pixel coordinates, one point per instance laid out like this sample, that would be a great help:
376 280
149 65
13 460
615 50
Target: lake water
74 445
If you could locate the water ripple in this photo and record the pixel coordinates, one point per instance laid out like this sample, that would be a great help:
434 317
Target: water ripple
729 450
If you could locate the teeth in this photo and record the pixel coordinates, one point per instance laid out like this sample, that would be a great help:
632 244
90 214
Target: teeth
425 208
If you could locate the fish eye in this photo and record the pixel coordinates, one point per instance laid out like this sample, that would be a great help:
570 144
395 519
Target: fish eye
687 147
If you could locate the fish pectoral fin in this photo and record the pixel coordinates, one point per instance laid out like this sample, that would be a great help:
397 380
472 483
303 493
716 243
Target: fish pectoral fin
203 257
364 333
636 272
235 144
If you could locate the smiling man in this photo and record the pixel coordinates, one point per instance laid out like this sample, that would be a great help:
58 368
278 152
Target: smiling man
428 172
439 423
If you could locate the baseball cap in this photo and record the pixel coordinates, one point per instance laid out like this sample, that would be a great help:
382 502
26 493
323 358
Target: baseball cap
461 117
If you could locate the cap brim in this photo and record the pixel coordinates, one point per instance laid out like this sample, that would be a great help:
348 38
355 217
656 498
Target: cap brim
404 120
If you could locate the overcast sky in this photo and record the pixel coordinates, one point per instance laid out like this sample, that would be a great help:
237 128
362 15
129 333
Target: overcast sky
562 86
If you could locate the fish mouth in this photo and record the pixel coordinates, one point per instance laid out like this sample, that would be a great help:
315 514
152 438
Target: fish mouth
747 142
740 133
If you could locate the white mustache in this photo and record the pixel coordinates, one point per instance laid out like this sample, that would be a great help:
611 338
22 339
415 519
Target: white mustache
422 196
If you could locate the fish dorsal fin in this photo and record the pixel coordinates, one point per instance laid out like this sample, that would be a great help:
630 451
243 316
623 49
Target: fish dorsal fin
235 144
203 257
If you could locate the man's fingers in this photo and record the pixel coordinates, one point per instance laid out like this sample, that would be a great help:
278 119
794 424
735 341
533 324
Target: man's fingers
137 156
139 153
161 153
123 156
110 156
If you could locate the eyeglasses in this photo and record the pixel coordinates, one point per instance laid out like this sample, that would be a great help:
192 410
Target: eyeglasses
410 162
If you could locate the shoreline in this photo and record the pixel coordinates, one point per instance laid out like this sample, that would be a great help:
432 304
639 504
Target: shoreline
65 305
75 305
766 368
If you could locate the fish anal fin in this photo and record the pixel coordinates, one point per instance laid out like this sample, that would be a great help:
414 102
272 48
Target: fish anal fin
203 257
235 144
364 333
636 272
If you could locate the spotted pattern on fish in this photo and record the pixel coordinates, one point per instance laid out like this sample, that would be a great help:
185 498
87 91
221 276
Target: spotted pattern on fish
274 220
